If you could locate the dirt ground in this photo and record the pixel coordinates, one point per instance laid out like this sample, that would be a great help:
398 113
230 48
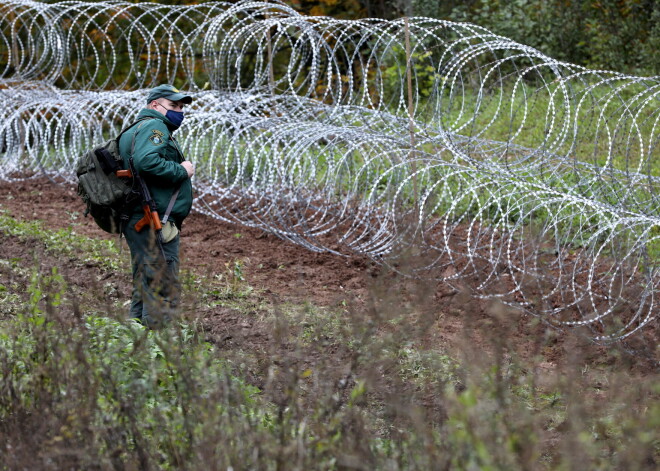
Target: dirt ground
286 273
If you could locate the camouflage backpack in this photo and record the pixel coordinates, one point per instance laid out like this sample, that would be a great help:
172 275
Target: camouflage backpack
103 184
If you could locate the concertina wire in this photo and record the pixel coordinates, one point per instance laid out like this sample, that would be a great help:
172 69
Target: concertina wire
437 148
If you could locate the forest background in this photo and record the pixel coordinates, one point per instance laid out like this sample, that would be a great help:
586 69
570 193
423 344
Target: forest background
619 35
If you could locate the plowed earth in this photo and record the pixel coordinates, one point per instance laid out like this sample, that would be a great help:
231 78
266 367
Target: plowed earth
283 273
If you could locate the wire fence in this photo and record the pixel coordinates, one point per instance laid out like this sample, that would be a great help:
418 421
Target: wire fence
440 149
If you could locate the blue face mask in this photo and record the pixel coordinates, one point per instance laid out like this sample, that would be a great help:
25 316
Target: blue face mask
175 117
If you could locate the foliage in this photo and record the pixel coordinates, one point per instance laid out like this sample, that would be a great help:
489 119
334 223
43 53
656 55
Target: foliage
369 385
97 394
93 393
607 34
620 35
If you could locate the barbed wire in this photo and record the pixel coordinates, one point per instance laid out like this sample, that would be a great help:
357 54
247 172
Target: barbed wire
440 149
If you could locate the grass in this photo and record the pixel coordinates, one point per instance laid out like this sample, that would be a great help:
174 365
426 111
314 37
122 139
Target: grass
65 242
332 388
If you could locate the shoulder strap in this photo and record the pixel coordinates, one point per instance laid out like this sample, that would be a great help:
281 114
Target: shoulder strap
166 216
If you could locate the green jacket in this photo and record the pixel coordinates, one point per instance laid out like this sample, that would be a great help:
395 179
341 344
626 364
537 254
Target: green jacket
157 159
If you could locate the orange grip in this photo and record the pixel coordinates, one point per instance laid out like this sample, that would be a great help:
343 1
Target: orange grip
150 219
145 221
141 224
124 174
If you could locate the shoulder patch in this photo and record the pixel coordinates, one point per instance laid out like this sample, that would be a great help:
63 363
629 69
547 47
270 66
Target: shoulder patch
156 137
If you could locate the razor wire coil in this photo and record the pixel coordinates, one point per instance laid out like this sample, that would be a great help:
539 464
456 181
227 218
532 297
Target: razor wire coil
534 180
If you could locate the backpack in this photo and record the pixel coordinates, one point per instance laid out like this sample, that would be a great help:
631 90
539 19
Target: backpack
103 185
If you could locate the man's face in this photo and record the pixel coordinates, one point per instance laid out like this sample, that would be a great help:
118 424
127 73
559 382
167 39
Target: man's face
163 105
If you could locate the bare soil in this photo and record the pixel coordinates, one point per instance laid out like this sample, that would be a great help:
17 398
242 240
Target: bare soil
285 273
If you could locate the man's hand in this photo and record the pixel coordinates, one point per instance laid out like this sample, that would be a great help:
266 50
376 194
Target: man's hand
189 168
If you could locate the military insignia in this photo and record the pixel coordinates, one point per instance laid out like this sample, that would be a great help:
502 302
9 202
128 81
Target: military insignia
156 137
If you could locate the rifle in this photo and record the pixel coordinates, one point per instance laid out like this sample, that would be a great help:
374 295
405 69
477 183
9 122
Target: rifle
150 218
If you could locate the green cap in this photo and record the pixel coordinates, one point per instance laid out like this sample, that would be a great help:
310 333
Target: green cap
169 92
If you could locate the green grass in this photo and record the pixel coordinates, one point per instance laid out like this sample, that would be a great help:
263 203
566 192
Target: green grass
65 242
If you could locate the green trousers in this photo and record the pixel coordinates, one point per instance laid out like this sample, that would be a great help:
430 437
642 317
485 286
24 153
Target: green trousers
156 287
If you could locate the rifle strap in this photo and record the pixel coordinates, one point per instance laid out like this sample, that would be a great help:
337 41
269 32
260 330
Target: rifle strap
170 205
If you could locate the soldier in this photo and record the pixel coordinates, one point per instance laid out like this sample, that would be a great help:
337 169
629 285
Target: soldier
158 160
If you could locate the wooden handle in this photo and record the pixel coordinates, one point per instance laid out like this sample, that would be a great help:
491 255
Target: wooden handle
150 219
145 221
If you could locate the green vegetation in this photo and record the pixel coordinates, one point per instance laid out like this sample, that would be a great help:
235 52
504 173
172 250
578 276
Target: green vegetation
621 35
65 242
330 388
92 392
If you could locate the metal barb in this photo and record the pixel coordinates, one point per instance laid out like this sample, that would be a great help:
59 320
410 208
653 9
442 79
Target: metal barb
534 180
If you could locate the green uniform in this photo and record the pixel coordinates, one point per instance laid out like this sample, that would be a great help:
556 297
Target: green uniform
157 158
